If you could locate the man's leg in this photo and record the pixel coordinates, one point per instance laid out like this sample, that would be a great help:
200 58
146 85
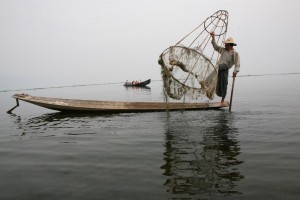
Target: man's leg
222 100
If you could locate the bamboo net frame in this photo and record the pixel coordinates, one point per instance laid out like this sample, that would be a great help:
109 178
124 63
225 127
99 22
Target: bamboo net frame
189 67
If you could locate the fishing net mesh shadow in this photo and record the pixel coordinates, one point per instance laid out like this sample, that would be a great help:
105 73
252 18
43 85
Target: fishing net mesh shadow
189 67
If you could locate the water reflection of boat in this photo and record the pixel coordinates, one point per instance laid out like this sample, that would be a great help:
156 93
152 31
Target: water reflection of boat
202 160
138 88
48 124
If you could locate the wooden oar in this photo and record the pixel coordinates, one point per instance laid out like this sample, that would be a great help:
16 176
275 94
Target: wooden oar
233 79
10 111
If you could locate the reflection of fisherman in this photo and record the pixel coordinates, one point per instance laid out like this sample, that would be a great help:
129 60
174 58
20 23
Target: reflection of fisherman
202 166
228 58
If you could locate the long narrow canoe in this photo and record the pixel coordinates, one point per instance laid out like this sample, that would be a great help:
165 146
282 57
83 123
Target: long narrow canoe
141 84
74 105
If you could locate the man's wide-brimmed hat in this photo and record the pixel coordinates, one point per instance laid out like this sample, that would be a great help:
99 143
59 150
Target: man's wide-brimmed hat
229 41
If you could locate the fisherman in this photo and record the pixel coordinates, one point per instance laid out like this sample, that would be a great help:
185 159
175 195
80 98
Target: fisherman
228 58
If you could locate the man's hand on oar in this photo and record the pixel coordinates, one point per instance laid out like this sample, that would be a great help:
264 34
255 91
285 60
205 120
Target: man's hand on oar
234 74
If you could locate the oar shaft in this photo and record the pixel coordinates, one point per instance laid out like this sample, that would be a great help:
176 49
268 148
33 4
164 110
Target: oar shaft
9 111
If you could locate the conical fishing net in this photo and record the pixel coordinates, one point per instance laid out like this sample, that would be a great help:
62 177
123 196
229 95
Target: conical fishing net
189 67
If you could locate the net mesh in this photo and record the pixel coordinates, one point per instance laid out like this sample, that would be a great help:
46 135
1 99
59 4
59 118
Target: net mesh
189 67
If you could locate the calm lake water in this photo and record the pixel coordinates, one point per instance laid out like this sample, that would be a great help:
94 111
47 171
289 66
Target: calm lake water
251 153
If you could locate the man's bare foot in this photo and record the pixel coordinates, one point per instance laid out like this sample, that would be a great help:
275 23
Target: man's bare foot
223 104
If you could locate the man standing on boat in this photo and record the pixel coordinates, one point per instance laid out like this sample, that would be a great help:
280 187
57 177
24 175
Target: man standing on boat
228 58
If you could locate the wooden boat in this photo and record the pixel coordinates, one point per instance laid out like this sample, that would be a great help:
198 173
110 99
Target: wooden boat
140 84
75 105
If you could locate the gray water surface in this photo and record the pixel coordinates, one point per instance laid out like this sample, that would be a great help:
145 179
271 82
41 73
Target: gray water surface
251 153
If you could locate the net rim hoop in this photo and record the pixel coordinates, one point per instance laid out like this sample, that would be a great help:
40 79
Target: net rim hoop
167 71
168 49
212 21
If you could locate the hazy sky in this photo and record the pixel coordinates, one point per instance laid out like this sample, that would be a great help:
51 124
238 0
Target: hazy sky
66 42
